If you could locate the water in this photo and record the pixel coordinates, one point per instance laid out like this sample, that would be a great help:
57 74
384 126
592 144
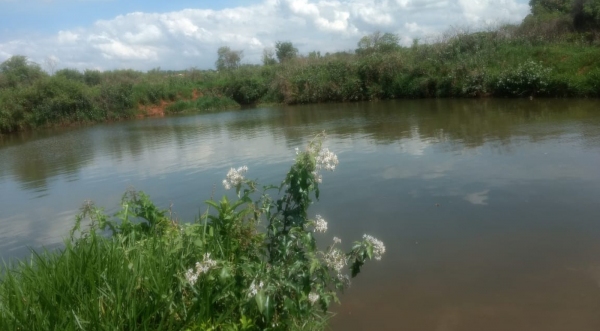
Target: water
489 208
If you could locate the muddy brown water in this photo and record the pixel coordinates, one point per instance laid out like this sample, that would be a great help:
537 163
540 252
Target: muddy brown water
489 209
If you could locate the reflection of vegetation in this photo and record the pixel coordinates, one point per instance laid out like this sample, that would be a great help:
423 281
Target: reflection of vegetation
221 272
466 122
34 163
469 123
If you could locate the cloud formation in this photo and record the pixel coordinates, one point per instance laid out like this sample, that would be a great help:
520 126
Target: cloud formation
191 37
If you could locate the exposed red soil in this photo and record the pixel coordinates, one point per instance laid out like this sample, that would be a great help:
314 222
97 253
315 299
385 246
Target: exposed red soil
159 110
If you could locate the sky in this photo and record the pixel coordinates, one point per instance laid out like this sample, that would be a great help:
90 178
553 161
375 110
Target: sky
178 35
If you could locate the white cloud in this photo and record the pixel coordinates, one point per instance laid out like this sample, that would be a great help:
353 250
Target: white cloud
67 37
181 39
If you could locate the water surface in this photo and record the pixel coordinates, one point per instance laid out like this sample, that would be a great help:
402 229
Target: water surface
489 208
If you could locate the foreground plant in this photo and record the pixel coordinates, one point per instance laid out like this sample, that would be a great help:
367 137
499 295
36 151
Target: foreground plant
251 264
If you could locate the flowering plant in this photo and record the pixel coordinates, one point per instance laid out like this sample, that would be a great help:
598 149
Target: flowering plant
252 263
286 279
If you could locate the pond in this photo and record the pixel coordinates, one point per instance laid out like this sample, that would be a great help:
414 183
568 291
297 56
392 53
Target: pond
489 209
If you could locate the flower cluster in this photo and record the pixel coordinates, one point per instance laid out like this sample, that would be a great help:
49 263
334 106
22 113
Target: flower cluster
378 246
254 288
326 160
234 177
345 279
337 240
201 267
317 177
313 297
335 259
320 224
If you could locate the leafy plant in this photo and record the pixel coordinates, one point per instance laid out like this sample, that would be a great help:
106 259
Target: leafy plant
529 78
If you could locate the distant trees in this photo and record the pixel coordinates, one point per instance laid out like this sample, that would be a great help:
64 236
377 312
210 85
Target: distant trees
70 74
19 70
544 7
586 14
378 42
581 14
268 57
285 51
228 58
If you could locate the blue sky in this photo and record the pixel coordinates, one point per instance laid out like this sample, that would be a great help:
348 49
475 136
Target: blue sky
36 15
112 34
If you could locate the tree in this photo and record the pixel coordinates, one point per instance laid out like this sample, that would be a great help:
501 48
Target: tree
50 62
19 70
70 74
314 55
92 77
586 14
582 14
269 57
542 7
228 59
378 42
285 51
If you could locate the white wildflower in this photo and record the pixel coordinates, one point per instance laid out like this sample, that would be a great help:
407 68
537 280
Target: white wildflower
254 288
297 151
206 264
378 246
208 261
201 267
326 160
317 177
234 177
337 240
335 259
313 297
191 276
344 279
320 224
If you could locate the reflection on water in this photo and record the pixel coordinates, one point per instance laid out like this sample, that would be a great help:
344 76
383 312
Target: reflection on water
488 208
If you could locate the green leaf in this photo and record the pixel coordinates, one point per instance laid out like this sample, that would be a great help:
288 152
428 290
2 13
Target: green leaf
260 299
356 267
370 251
212 203
269 308
289 305
198 242
225 273
314 264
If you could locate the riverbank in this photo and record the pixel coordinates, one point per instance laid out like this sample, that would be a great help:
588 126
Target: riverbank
500 63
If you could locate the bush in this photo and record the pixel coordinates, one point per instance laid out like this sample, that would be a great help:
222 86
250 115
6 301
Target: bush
529 78
92 77
218 273
116 98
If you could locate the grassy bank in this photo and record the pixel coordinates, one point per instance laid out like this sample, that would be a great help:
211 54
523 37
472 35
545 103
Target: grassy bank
251 263
543 57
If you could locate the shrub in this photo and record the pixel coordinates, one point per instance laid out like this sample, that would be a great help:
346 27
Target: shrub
116 98
529 78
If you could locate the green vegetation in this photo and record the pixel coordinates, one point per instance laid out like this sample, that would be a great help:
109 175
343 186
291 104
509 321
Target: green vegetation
553 53
248 264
